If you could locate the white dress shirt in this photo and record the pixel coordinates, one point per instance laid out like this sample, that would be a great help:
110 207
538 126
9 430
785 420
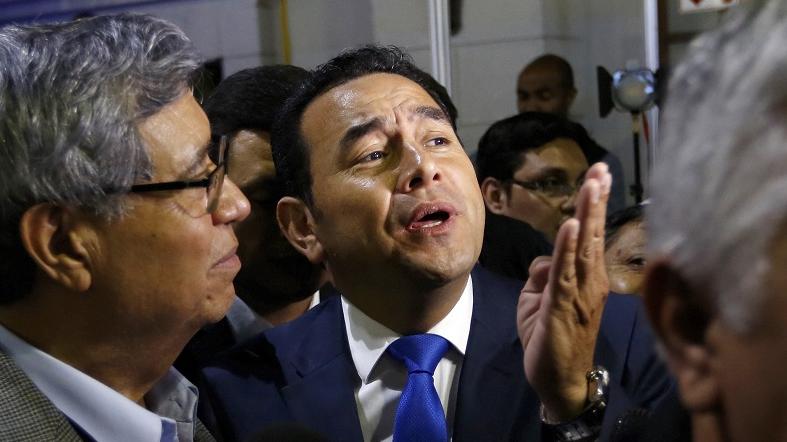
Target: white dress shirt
382 377
102 412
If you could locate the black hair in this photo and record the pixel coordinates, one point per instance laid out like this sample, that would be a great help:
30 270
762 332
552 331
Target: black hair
561 66
290 151
252 98
620 218
501 149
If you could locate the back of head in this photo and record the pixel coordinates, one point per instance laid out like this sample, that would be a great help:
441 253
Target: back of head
290 152
720 189
252 98
501 148
71 96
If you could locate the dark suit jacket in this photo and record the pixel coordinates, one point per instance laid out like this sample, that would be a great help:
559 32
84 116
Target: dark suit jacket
303 372
214 339
26 414
669 422
510 246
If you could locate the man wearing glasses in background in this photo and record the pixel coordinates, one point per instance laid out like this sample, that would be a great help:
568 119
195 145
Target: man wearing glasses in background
530 167
117 241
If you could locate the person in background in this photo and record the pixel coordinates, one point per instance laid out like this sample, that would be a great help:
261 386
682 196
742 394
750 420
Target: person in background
116 230
546 84
716 287
276 283
530 168
625 250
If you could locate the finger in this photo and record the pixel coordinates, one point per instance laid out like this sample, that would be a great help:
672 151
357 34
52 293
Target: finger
538 274
591 213
563 274
527 314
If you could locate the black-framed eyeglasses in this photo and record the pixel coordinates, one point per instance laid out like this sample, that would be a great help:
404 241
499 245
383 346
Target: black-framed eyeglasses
213 184
551 187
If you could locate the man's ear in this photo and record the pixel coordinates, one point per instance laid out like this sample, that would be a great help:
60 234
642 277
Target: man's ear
58 242
572 95
682 321
495 195
296 222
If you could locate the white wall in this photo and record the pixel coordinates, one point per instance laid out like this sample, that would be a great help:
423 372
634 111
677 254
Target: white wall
600 33
247 33
496 39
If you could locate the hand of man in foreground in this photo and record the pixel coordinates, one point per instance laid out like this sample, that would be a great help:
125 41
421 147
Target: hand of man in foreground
560 307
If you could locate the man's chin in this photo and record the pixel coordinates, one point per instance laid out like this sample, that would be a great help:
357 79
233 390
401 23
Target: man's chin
217 307
438 271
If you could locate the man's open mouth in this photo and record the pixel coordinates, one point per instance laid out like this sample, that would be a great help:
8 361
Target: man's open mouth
429 216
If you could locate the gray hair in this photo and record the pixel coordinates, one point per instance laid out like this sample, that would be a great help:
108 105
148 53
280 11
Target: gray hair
720 189
71 98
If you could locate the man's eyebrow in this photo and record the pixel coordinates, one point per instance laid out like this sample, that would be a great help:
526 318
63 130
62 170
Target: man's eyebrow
197 162
358 131
432 113
552 172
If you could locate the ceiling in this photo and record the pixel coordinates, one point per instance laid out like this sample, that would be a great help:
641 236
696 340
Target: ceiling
49 10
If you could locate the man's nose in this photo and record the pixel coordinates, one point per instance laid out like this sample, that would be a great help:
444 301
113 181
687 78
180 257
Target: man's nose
233 205
418 168
531 106
569 203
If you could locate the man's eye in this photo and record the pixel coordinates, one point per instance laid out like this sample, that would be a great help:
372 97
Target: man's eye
636 261
439 141
551 183
374 156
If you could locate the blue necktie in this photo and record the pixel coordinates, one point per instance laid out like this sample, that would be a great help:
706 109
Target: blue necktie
420 415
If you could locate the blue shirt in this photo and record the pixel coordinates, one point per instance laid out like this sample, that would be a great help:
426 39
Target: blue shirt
101 412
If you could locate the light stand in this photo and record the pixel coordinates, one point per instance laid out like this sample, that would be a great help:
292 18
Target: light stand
632 91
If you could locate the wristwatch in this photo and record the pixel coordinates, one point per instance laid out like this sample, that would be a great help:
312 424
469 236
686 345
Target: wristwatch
586 426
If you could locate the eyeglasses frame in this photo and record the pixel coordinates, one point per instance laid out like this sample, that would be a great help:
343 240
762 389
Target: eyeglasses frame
217 174
535 186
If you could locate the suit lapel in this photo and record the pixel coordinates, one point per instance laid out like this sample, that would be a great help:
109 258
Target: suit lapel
25 413
321 378
614 338
492 386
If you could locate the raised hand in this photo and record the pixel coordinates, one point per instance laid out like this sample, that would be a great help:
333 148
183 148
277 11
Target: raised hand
560 306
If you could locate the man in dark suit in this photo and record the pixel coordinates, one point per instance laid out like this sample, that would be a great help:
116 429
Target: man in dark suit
381 192
117 241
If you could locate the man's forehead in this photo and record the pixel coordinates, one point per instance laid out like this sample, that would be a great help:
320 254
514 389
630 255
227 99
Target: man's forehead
177 138
557 153
250 159
375 96
377 92
539 78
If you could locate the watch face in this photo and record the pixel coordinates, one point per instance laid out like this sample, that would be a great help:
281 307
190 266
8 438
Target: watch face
598 382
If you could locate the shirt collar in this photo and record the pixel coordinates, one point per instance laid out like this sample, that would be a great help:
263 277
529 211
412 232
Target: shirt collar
368 339
245 323
100 411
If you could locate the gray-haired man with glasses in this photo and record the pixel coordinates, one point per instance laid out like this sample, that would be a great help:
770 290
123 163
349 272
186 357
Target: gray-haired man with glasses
116 239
